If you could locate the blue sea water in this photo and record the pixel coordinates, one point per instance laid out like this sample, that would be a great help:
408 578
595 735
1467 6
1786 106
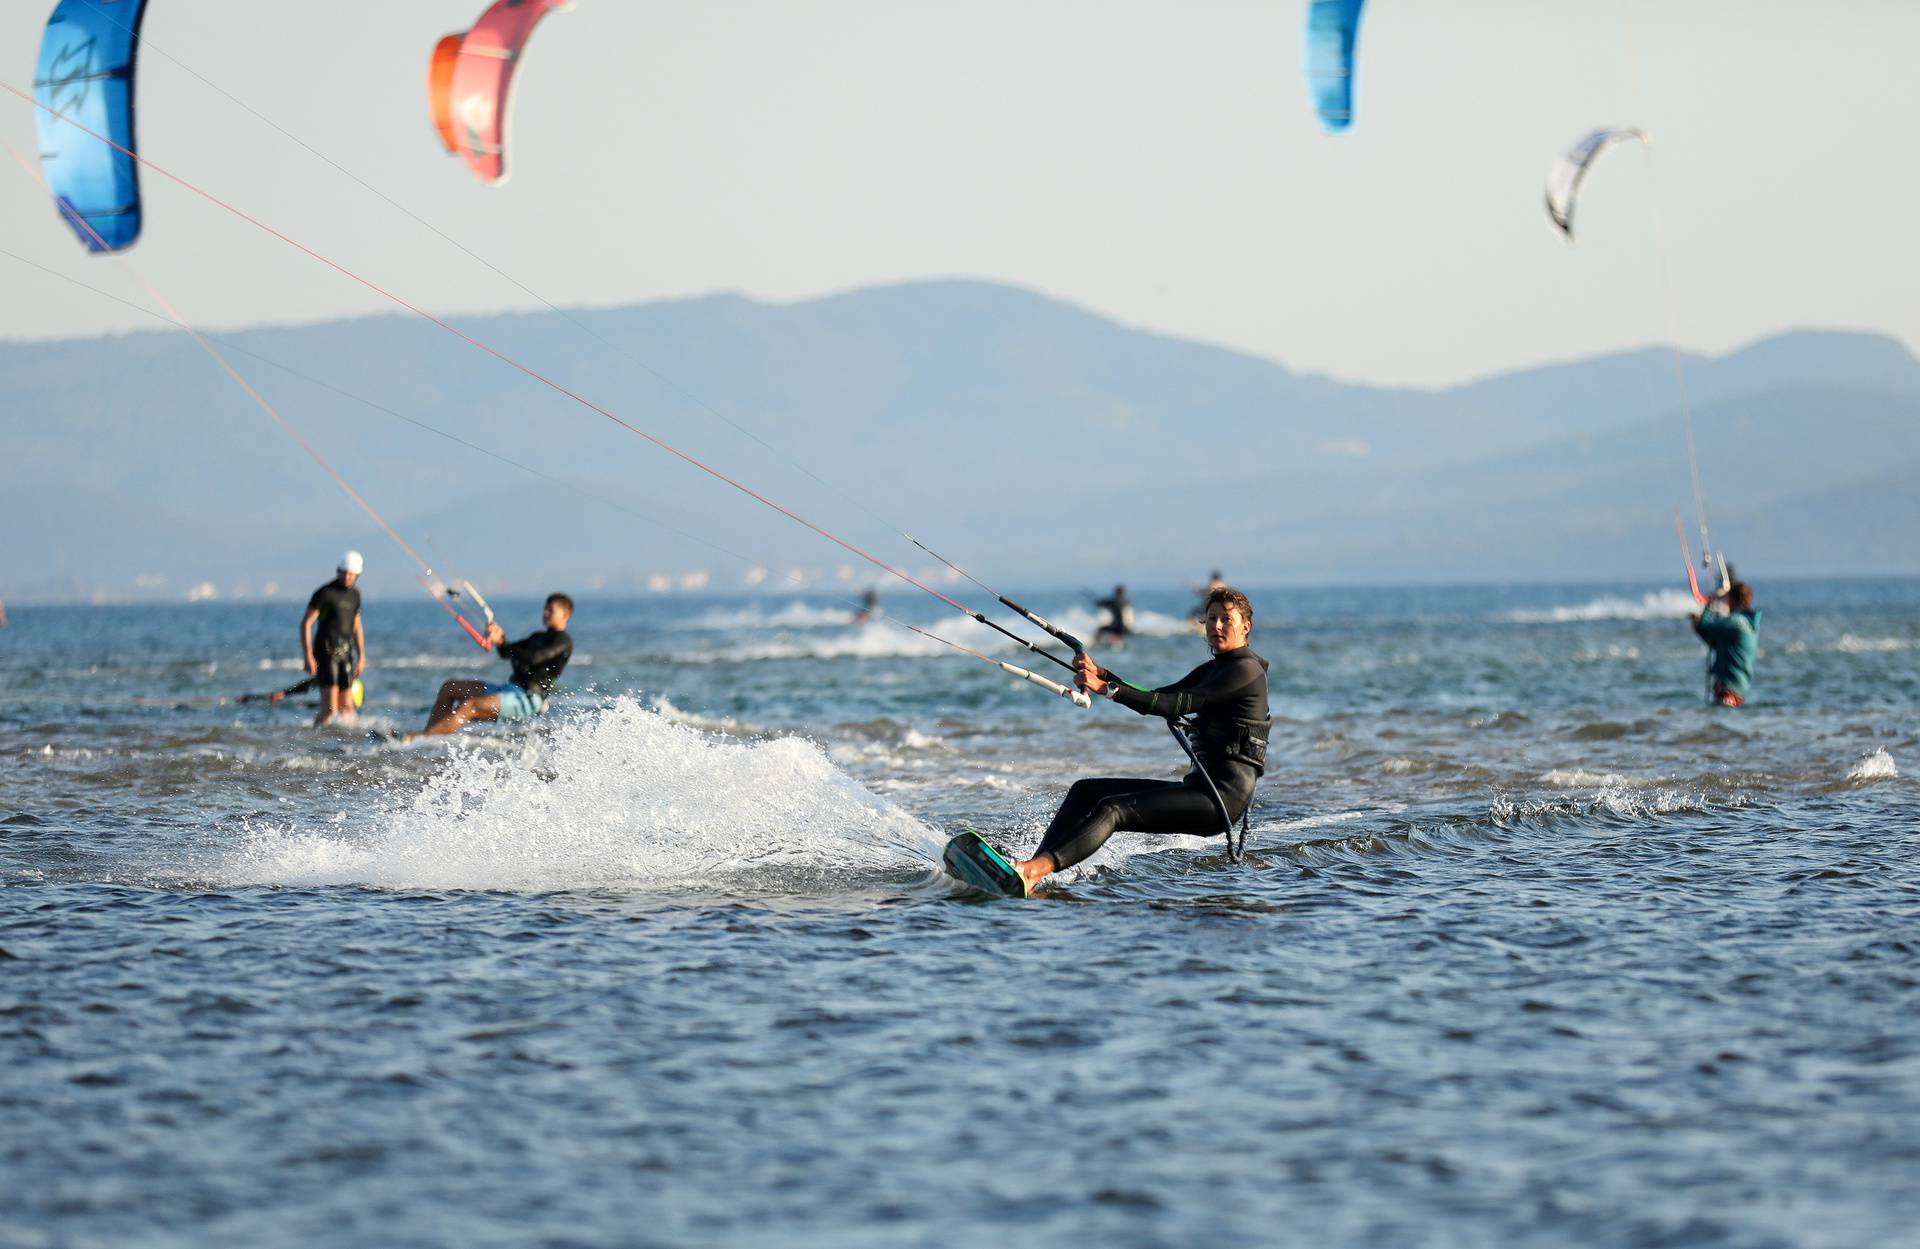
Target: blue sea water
1532 947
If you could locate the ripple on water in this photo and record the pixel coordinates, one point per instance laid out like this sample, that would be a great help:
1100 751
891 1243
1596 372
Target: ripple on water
667 976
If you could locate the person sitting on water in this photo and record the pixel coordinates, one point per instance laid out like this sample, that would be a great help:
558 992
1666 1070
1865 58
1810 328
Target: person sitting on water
1119 622
1227 695
538 660
1732 640
333 640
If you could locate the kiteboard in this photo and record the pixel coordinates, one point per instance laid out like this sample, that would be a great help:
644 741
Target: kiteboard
971 861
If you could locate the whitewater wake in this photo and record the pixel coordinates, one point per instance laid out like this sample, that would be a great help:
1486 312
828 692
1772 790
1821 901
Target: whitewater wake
1653 605
618 797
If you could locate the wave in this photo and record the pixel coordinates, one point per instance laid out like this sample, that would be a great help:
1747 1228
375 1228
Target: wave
873 641
1848 644
1851 645
1580 778
619 797
864 645
1084 622
790 615
894 746
1875 766
1306 822
77 753
1620 798
1653 605
667 709
465 659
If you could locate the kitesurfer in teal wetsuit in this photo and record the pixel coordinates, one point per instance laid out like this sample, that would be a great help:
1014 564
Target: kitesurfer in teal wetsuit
1227 696
538 660
1732 639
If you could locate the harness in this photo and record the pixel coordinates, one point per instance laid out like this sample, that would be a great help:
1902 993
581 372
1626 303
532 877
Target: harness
1242 740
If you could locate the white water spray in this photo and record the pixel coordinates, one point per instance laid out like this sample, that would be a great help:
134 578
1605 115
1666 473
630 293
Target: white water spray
617 798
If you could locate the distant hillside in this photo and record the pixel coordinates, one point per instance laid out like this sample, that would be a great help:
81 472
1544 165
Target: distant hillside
1010 430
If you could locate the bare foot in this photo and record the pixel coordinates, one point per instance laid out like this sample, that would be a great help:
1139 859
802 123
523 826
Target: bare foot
1036 869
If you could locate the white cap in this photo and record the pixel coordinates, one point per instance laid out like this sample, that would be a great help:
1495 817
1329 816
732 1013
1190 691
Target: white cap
351 562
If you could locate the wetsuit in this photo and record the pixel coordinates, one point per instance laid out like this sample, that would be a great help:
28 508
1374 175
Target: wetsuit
538 660
1733 640
1227 696
338 606
1119 611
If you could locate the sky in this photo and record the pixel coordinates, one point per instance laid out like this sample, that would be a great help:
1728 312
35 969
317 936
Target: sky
1154 162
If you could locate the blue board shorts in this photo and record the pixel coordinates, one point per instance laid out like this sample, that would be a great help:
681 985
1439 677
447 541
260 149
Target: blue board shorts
516 703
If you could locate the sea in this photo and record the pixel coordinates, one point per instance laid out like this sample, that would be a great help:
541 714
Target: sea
1531 946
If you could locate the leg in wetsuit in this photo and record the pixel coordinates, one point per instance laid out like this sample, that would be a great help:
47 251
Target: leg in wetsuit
1095 810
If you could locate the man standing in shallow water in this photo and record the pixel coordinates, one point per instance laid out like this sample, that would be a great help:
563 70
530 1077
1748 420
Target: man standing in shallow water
333 640
1732 641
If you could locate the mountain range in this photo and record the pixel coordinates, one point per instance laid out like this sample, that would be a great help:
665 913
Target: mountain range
1015 433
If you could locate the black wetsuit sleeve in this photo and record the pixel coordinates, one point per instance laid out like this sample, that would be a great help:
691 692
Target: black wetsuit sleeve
1213 686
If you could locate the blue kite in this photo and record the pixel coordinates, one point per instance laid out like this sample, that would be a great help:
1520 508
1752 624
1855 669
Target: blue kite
1332 26
85 78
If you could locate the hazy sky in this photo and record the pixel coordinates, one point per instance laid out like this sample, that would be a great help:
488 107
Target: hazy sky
1153 161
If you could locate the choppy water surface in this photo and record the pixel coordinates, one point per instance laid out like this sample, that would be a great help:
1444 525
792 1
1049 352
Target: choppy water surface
1533 949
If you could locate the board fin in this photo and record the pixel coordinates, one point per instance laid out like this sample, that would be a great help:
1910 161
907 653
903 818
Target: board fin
970 860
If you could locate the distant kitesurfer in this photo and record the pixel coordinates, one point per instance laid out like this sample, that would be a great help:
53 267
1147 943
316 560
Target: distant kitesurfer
1214 582
869 606
333 640
3 613
1119 623
538 660
1730 627
1227 696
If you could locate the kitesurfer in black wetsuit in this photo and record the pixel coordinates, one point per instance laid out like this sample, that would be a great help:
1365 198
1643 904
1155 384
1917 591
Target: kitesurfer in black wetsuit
1227 696
1119 622
334 641
538 660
